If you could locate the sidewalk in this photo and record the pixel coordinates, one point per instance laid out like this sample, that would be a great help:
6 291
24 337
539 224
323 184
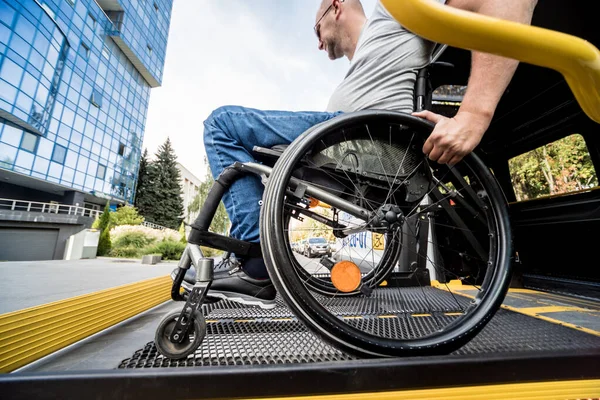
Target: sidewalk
25 284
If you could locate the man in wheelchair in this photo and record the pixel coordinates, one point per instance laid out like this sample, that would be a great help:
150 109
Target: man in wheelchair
384 60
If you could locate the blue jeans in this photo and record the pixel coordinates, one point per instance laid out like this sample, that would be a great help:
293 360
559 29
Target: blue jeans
230 133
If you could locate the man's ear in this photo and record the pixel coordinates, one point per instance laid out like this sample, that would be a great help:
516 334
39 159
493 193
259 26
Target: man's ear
337 8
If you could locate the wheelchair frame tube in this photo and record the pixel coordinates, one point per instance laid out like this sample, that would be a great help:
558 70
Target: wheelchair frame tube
232 173
218 189
316 192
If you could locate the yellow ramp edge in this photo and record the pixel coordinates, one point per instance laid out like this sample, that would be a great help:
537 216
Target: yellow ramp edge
529 311
576 59
32 333
583 389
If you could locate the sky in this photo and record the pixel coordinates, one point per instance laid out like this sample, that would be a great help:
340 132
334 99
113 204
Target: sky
255 53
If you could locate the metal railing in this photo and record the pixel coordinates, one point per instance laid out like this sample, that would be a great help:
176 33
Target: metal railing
153 225
52 208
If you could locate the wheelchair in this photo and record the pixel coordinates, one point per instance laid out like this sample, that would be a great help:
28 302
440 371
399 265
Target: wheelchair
399 220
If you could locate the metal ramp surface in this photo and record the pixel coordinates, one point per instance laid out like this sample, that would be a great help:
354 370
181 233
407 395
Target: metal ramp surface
239 335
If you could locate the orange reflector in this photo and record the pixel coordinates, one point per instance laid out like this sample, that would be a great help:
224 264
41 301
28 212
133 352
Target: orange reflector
452 202
313 202
316 203
345 276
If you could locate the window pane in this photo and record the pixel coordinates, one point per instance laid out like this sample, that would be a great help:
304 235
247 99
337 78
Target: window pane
560 167
11 72
24 160
29 141
101 171
11 135
59 154
44 148
41 165
7 155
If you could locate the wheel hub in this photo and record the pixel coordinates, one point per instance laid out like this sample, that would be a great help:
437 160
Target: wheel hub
388 216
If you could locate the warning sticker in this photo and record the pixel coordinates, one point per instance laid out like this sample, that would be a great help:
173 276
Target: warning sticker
378 241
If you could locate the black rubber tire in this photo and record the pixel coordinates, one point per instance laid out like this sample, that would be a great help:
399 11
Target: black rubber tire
331 328
178 351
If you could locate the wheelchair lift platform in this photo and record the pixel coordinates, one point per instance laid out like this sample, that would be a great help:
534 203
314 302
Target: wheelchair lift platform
251 352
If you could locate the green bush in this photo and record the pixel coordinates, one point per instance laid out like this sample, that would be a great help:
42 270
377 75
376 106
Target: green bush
135 240
168 249
125 252
125 215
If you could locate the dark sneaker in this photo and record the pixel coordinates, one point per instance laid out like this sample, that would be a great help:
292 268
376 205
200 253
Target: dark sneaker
236 286
224 265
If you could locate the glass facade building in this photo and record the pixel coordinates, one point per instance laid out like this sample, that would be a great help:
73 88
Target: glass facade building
75 80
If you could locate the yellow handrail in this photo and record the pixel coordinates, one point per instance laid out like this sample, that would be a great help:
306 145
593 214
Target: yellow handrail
576 59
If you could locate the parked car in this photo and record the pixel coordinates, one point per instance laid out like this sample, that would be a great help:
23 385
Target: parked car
317 246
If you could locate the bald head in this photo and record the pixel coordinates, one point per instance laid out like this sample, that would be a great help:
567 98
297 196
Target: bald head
338 24
353 4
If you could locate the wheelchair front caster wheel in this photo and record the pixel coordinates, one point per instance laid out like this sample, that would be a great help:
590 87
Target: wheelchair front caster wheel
190 343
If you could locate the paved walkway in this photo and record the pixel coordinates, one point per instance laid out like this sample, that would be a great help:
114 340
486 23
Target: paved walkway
25 284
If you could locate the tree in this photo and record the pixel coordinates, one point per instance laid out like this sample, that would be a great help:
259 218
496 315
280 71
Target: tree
183 238
559 167
168 205
145 195
104 243
220 223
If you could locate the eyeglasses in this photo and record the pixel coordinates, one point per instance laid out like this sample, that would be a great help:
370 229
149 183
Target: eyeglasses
317 28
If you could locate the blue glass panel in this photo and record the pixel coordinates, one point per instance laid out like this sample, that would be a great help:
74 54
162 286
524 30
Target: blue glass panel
59 154
7 13
67 175
42 44
62 142
29 84
48 71
53 125
79 123
79 178
45 147
52 56
24 102
24 160
20 46
12 135
92 167
7 155
55 170
82 164
68 116
64 131
41 165
4 35
29 142
11 72
86 143
89 182
71 160
25 29
36 60
7 92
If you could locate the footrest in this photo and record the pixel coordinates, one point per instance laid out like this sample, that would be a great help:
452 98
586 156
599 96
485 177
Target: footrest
216 241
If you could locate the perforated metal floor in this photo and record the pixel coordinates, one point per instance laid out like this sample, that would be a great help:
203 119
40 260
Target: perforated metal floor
238 335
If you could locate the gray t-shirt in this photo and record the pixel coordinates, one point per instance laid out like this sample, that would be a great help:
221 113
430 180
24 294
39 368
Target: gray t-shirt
384 68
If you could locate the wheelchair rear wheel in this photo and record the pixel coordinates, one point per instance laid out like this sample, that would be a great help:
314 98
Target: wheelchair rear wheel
362 179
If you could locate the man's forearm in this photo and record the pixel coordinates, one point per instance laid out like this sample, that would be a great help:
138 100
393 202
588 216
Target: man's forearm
491 74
